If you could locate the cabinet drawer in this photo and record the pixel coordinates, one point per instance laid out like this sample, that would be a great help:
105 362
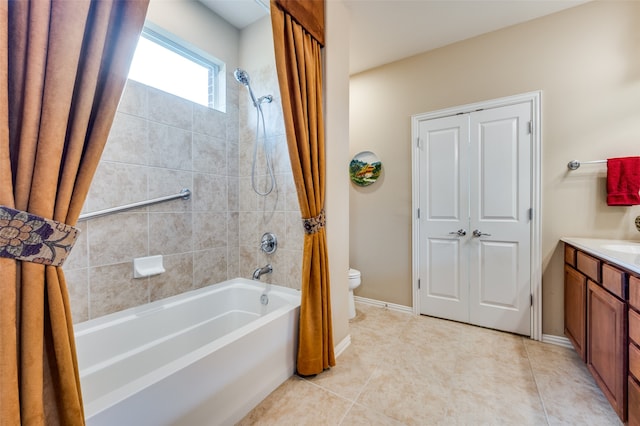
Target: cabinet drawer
634 402
634 292
570 255
634 326
590 266
634 361
613 279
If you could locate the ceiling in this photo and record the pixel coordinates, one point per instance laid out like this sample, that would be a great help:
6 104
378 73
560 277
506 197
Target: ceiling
384 31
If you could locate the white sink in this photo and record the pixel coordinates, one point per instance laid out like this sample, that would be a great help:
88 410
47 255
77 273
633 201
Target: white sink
623 248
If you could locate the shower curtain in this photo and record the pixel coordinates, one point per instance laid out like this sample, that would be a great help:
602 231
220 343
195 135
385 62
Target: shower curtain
299 66
63 67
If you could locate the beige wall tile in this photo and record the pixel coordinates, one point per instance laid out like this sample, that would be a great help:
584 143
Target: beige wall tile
134 99
212 193
127 141
294 232
116 184
212 230
209 122
78 287
164 182
113 288
177 279
209 267
209 154
118 238
79 256
170 233
171 110
169 147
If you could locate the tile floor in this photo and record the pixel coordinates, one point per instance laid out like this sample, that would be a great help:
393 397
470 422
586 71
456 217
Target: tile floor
406 370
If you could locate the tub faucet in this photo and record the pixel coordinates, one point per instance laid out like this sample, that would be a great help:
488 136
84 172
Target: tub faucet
261 271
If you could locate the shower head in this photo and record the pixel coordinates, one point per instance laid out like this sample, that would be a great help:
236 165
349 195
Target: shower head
242 76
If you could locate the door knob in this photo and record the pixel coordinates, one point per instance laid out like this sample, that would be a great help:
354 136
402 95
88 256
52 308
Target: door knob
478 233
460 232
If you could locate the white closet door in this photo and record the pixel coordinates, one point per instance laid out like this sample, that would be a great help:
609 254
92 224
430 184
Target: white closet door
475 175
500 201
444 206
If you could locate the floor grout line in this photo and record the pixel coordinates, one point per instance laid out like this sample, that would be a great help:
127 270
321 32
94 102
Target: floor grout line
535 381
354 402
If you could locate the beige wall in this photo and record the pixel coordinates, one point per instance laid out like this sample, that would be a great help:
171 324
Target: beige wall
197 25
585 61
336 84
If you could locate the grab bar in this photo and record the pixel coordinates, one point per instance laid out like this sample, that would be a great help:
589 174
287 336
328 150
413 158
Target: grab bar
574 164
185 194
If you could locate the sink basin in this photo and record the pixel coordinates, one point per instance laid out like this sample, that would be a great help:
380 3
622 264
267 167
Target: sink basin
623 248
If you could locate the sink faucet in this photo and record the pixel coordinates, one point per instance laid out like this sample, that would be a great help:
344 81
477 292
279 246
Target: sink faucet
261 271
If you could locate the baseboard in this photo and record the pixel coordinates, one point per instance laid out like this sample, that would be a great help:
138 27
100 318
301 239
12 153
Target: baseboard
381 304
342 346
557 340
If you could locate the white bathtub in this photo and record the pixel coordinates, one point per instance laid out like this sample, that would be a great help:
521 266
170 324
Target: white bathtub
205 357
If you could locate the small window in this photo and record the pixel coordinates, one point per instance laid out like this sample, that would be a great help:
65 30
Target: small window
168 65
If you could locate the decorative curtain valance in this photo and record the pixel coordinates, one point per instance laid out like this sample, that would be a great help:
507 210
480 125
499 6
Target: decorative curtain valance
299 66
63 66
308 13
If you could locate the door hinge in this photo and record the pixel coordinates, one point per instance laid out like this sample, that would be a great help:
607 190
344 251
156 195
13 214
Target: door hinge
531 214
418 213
531 299
418 143
530 127
418 283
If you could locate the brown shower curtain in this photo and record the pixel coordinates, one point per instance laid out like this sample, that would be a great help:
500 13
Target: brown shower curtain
63 67
299 65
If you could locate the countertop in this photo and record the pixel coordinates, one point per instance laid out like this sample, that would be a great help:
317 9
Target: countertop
610 250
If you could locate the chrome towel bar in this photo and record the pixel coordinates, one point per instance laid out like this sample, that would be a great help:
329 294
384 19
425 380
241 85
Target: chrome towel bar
185 194
574 164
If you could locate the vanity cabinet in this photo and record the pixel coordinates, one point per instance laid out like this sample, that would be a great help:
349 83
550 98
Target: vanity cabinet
595 321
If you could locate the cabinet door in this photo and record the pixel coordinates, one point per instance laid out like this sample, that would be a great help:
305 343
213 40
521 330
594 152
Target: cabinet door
634 402
575 309
606 345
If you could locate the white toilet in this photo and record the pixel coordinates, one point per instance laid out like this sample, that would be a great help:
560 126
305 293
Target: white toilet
354 282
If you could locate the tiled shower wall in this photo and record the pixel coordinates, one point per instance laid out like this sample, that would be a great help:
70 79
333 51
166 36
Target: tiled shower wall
158 145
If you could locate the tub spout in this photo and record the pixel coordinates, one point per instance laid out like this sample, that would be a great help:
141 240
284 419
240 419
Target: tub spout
261 271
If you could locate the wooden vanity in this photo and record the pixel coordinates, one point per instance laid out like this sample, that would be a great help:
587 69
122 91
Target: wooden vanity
602 317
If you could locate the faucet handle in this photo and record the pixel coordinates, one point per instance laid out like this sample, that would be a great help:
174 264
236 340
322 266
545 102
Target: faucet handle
268 243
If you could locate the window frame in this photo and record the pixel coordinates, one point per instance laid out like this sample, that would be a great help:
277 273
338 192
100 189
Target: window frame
215 95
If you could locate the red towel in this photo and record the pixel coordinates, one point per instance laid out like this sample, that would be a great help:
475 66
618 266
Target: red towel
623 181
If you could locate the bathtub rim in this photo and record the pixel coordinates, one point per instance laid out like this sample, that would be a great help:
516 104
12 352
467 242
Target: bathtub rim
94 324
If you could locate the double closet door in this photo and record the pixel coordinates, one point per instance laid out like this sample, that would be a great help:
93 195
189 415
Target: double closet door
474 178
